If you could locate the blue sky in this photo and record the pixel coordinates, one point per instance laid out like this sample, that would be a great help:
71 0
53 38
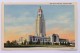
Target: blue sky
56 16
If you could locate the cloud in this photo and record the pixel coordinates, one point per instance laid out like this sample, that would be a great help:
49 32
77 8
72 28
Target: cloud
23 19
19 25
62 20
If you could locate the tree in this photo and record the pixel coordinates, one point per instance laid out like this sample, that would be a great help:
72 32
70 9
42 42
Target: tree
11 44
25 41
7 43
30 42
22 43
14 43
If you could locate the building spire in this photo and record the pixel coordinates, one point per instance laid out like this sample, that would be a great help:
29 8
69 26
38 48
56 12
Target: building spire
40 23
40 7
40 10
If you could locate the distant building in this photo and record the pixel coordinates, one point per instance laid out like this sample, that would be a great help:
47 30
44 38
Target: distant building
63 41
21 39
72 43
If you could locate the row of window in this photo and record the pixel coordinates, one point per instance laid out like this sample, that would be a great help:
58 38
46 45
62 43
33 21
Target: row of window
63 42
36 39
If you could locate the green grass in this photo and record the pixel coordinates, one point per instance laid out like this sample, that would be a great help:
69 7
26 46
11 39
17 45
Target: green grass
56 46
34 45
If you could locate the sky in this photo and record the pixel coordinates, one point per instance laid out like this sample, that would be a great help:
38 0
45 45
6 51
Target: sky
19 20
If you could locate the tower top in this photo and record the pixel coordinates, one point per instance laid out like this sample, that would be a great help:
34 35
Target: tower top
40 10
40 7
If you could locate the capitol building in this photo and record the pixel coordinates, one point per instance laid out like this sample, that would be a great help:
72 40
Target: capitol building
40 35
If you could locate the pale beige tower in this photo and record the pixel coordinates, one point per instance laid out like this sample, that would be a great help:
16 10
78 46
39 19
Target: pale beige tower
40 24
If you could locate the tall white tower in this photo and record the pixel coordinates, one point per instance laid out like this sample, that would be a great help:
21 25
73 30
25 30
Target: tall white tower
40 24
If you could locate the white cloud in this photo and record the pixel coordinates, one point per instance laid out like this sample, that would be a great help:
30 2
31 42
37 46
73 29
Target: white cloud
27 29
22 19
62 20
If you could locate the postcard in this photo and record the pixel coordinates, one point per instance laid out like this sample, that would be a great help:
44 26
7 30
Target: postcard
40 26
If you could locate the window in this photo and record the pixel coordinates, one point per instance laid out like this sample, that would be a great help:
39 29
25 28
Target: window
54 38
36 39
33 39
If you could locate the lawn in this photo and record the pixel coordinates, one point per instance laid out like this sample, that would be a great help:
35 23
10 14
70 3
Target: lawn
27 46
